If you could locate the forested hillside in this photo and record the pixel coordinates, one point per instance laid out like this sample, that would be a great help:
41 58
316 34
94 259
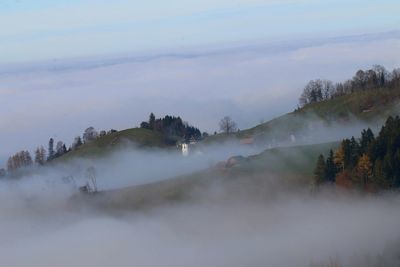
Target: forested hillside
369 163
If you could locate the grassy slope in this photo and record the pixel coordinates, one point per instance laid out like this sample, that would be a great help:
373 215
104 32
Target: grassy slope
292 165
103 145
365 106
379 104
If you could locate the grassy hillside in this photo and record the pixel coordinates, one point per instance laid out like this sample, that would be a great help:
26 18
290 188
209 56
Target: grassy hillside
105 144
290 166
367 106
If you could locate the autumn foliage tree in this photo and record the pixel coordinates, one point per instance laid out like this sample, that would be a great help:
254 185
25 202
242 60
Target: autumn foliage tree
363 170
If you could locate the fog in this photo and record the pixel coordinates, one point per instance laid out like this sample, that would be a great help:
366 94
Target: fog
251 82
239 221
134 166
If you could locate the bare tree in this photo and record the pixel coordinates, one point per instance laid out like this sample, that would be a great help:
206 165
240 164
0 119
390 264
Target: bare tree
40 155
313 92
91 179
90 134
328 89
19 160
227 125
60 149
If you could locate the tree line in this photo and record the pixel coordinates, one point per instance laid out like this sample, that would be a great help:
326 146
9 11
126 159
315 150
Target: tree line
376 78
173 128
24 159
369 163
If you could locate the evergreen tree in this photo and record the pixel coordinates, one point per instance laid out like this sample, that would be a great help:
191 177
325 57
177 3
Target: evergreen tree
379 178
77 142
354 152
152 120
60 149
367 138
319 172
51 149
330 168
347 154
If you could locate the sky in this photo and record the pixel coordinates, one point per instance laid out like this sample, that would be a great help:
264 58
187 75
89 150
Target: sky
68 65
54 29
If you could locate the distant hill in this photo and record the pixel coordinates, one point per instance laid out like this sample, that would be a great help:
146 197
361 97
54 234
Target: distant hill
161 132
368 99
368 107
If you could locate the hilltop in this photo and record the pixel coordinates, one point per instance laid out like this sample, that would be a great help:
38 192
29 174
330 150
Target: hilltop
368 98
106 144
161 133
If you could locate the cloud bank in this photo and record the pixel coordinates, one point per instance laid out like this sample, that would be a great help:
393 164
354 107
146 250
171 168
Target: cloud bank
249 83
274 225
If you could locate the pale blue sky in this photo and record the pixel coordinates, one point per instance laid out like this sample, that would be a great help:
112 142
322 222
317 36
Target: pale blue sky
53 29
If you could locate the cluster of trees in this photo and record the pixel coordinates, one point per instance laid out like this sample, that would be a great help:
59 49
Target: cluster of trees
24 158
369 163
172 127
19 160
373 79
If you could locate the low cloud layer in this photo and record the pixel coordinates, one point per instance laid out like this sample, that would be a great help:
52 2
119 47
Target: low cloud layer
275 225
251 84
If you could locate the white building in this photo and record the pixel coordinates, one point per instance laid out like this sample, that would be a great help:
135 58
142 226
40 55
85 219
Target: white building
185 149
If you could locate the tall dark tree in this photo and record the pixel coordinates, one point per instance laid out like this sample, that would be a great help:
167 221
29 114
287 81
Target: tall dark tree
51 149
354 152
330 168
367 137
152 120
319 172
77 142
